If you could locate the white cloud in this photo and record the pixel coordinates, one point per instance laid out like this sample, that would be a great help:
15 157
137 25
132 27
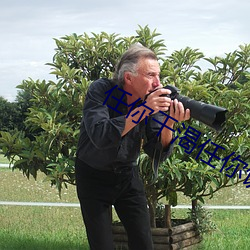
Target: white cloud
27 28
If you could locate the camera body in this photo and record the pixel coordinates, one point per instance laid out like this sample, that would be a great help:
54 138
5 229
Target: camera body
211 115
174 92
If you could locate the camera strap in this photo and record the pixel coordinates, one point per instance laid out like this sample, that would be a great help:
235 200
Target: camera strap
156 157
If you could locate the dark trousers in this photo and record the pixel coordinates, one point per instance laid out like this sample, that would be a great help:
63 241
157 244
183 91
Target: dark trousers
98 191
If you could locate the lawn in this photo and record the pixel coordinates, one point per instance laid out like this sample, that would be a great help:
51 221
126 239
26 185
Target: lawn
3 160
54 228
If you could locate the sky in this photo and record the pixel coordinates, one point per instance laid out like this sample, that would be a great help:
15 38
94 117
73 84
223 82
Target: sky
27 29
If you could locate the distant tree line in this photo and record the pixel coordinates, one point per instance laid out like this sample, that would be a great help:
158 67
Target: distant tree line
13 114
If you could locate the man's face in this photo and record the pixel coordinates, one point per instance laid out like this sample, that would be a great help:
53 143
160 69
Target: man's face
147 78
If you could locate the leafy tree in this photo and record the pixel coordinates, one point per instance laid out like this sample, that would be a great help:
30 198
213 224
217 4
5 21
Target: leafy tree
220 85
10 115
13 114
56 108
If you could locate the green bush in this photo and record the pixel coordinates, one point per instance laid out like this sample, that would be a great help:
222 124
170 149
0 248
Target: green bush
48 142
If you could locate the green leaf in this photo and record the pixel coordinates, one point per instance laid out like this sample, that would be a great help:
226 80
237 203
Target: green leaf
172 198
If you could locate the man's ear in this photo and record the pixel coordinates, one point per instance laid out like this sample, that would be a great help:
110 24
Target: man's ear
128 78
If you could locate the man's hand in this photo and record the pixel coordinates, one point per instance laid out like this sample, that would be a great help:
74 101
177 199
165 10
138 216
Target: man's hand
178 112
158 102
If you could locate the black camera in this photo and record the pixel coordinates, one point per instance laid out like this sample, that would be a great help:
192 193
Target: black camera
208 114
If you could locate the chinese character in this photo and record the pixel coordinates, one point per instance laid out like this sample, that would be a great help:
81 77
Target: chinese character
246 180
188 142
213 155
119 101
135 113
179 131
237 166
164 123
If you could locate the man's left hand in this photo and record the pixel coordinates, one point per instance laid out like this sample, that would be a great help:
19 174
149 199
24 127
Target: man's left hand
178 112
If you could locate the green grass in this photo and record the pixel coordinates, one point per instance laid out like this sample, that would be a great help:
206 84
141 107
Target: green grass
35 228
233 231
54 228
3 159
17 187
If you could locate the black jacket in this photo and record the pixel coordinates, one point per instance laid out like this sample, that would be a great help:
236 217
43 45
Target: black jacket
101 145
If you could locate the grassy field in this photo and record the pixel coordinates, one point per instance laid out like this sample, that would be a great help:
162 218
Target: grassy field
35 228
3 159
54 228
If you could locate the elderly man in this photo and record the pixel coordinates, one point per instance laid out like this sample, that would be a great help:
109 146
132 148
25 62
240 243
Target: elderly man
116 117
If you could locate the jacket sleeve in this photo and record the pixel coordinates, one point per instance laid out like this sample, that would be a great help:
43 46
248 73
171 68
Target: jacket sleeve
103 131
152 141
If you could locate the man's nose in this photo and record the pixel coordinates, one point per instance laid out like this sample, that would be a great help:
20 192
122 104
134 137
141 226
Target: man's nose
157 82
